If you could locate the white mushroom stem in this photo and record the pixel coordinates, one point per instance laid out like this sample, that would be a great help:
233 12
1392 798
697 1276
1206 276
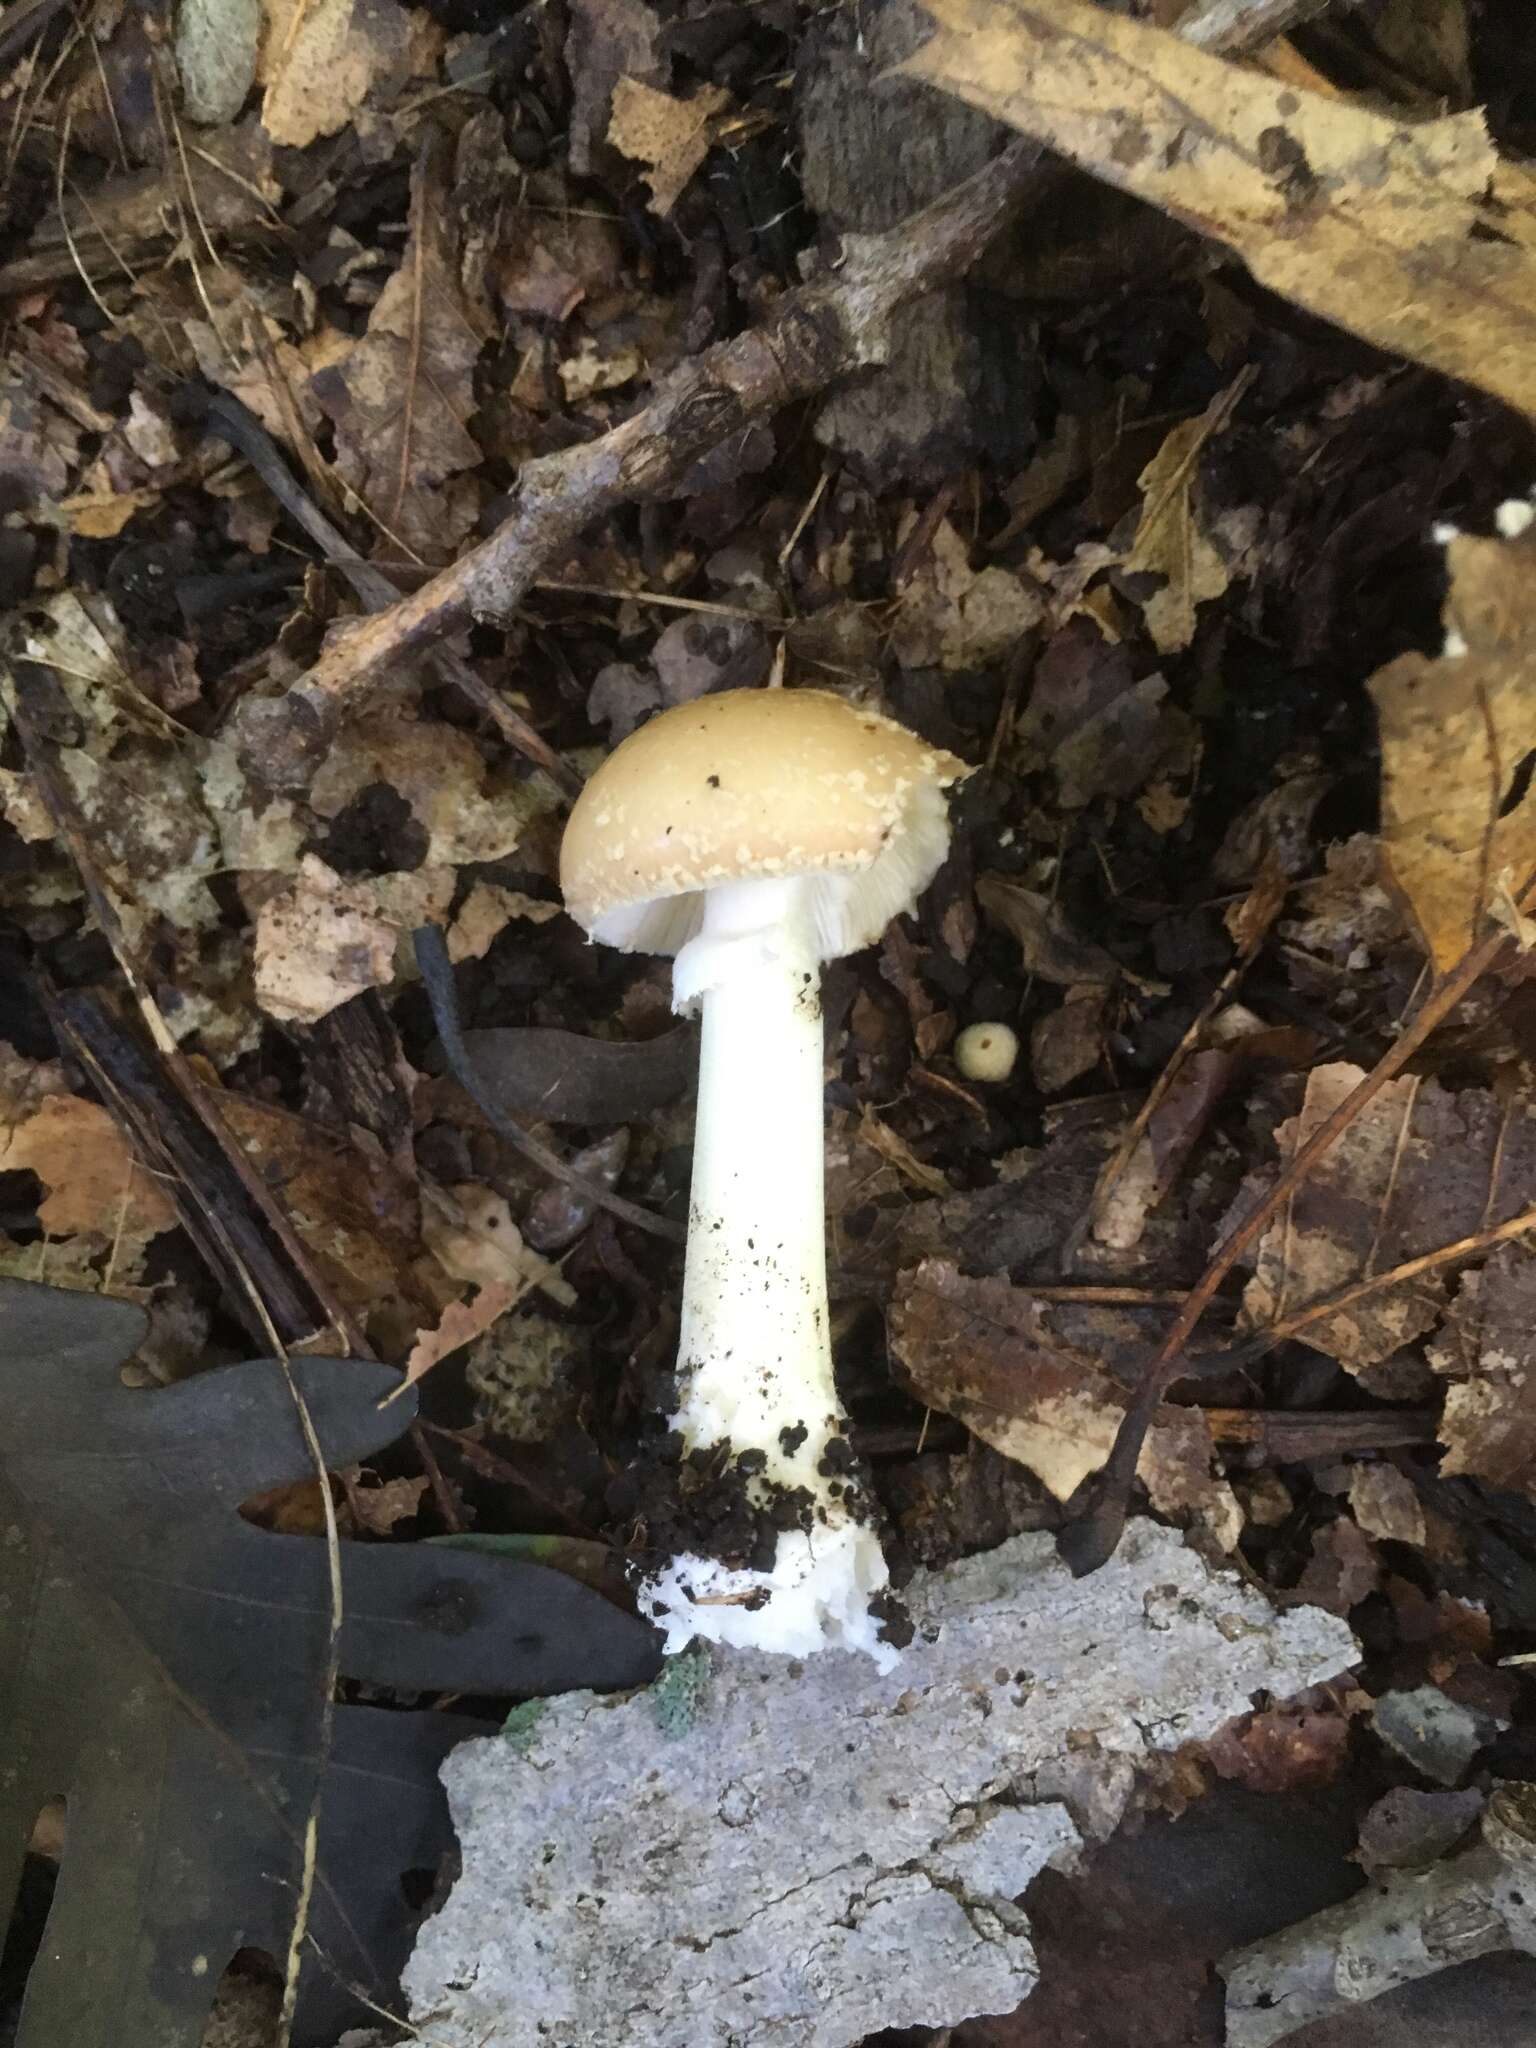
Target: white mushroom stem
754 1353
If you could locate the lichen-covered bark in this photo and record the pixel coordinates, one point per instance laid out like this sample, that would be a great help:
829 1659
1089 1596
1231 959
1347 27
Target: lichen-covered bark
756 1850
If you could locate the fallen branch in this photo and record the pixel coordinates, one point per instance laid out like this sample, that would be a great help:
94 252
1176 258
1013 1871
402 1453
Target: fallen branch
837 324
229 421
1407 1925
822 330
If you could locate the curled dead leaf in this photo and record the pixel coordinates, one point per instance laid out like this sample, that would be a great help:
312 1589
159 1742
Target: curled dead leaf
1171 540
1396 231
999 1360
1458 810
670 136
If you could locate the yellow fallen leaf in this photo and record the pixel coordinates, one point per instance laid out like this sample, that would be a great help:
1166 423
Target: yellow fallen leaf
460 1323
1170 541
1410 234
103 515
1458 814
92 1183
671 136
319 59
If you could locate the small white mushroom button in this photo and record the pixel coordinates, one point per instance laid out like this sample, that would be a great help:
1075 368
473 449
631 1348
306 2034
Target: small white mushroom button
987 1052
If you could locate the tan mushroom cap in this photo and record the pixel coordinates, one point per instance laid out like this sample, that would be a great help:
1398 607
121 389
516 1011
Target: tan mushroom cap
757 783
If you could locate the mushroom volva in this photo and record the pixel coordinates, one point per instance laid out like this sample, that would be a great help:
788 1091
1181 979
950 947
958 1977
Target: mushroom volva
754 835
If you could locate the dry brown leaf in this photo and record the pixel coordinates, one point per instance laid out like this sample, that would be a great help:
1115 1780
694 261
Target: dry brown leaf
399 401
1068 1042
1003 1363
892 1146
461 1322
1487 1351
39 446
1100 730
355 1211
591 370
465 813
671 136
1286 1748
952 616
1417 1169
320 941
1381 225
102 515
606 41
249 355
1346 917
1170 540
23 809
134 779
487 911
1184 1111
1051 948
379 1508
1386 1504
470 1232
93 1185
867 1203
319 60
1458 812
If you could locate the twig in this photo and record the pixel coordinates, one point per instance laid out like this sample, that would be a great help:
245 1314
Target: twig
1240 25
1091 1538
823 330
1428 1262
23 23
1407 1925
229 421
838 323
1289 1436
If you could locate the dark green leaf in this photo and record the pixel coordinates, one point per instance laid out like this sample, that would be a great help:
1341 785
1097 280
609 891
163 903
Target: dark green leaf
162 1664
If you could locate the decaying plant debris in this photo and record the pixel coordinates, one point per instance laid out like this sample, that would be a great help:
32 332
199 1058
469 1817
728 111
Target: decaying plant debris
401 405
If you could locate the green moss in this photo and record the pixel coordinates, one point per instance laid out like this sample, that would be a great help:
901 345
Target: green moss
677 1697
519 1726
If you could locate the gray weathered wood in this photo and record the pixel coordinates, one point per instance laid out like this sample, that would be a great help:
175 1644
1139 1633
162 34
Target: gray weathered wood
801 1854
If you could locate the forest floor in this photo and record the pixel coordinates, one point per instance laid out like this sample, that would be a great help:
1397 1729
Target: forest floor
1182 490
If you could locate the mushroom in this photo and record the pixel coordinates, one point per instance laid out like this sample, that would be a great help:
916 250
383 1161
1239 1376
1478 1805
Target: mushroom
987 1052
754 835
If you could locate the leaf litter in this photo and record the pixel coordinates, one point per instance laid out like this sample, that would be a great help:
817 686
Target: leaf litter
1219 574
